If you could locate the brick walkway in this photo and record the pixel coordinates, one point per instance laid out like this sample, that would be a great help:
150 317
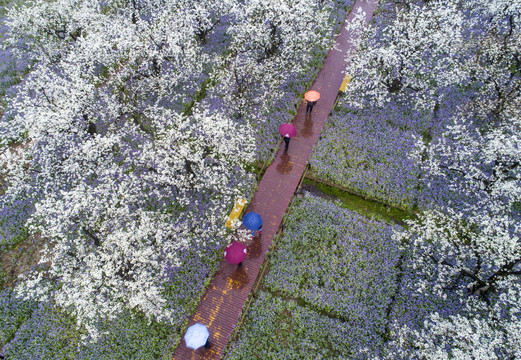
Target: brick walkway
222 304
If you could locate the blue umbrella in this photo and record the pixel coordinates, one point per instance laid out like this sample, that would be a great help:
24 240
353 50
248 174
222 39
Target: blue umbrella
196 336
252 221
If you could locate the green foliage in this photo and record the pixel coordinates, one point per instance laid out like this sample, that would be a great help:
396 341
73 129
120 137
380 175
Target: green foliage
199 95
361 205
22 233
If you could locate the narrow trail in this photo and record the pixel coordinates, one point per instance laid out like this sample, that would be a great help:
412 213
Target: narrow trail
226 295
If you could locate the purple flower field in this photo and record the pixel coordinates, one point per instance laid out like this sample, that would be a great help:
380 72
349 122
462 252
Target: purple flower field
366 153
341 268
11 67
368 150
276 328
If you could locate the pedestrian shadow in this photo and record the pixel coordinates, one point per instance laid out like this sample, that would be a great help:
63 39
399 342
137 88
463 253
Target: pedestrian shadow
307 129
285 165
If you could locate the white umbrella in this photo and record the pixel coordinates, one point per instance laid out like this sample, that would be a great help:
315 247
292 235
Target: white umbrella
196 336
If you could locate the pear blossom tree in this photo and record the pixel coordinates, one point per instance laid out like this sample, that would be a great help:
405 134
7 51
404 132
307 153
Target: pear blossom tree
44 31
467 246
418 52
268 37
470 247
429 46
207 15
271 27
117 180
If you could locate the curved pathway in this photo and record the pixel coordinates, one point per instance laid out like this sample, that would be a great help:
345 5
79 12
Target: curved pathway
226 295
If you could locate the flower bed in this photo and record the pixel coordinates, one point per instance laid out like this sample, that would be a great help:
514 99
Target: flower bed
42 330
369 150
338 264
366 153
281 329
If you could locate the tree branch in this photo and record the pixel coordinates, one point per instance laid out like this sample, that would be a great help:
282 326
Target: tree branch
94 238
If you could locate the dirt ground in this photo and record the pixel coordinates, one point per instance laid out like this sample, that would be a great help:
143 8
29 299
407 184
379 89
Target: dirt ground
18 260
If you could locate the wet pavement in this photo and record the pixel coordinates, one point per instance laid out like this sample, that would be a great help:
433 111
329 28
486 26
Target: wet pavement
225 297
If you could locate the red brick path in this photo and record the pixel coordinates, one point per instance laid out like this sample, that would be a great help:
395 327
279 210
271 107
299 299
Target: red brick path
222 304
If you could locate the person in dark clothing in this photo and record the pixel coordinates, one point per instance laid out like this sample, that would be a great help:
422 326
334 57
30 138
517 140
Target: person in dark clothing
286 140
309 107
259 230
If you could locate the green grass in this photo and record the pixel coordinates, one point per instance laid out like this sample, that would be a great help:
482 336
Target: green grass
361 205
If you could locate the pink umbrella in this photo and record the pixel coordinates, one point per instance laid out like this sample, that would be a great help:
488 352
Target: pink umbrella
287 129
235 253
312 95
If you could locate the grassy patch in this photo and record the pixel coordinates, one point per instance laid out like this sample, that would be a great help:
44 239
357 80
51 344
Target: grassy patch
358 203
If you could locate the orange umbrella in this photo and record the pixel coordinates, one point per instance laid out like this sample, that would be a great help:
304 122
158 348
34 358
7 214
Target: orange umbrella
312 95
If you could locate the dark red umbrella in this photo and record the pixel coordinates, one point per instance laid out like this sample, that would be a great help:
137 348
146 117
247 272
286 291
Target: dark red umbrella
287 129
235 253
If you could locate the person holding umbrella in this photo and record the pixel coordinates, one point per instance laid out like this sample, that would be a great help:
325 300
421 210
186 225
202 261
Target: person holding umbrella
286 140
196 336
288 131
311 97
252 221
235 253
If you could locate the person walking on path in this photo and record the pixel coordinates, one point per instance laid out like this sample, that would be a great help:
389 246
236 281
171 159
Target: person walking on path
287 131
259 229
286 140
311 97
253 222
309 107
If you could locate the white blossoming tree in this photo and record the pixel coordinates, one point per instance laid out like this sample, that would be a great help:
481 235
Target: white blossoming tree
467 246
268 37
118 180
429 46
417 53
470 248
